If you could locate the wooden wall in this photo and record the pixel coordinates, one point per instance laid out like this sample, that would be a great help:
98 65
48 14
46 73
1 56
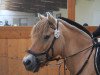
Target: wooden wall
13 43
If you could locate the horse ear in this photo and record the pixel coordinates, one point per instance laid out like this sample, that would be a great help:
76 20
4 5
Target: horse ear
51 18
41 16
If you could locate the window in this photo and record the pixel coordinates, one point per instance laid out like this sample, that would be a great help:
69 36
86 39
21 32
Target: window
0 2
20 21
23 21
16 22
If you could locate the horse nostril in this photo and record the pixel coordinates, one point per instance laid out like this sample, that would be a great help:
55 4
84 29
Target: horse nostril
28 62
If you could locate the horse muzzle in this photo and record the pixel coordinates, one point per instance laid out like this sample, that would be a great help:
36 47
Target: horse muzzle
31 63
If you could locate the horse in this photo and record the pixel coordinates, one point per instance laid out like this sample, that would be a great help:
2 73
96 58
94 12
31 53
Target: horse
53 37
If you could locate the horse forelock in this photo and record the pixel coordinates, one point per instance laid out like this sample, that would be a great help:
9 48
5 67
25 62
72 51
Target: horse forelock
40 28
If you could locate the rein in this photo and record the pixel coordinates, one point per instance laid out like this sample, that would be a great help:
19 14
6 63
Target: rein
95 45
79 52
85 63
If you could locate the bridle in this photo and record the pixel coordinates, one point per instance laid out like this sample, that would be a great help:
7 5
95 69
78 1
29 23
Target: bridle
51 57
46 52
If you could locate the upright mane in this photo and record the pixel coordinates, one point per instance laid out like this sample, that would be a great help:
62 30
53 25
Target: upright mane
76 25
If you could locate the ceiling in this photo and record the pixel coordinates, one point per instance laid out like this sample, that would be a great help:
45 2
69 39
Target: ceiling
33 6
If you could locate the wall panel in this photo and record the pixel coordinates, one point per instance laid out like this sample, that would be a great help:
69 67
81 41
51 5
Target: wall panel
14 41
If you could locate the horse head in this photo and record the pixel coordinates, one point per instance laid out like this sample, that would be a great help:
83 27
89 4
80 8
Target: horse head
45 35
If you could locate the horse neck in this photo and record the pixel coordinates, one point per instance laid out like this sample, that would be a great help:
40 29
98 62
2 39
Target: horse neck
75 41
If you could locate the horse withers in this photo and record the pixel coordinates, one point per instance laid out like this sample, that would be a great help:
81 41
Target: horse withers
52 37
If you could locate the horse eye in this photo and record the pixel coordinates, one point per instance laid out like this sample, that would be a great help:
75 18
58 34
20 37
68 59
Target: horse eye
47 37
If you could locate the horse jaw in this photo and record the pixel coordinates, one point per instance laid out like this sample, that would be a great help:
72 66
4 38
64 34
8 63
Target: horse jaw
41 16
